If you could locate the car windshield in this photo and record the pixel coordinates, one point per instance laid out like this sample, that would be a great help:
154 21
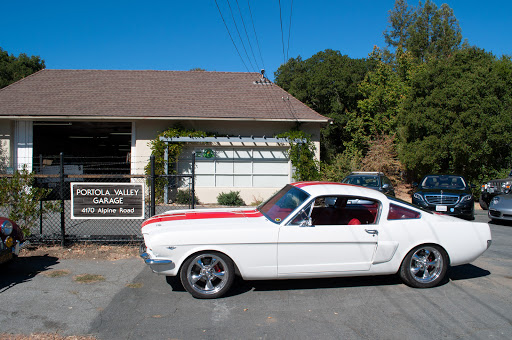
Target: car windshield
365 181
443 182
283 203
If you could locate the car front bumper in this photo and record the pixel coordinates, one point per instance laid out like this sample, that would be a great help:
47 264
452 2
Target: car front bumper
459 210
503 215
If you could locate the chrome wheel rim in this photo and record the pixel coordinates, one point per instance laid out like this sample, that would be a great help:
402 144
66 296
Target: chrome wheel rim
207 274
426 264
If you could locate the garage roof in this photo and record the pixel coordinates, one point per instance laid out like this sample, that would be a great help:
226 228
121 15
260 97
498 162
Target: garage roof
151 94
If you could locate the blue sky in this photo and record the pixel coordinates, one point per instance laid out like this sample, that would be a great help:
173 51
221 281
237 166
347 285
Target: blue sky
181 35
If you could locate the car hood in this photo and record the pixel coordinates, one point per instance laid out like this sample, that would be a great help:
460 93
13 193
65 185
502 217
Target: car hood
202 217
444 191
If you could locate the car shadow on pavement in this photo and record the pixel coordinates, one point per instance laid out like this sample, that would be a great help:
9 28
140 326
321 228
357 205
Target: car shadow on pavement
500 222
23 269
462 272
242 286
466 272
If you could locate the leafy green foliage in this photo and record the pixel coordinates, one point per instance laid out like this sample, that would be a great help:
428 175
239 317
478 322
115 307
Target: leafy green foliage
22 199
425 31
457 115
158 150
302 155
14 68
231 198
328 83
185 197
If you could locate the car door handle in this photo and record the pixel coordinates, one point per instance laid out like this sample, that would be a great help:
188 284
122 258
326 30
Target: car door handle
372 231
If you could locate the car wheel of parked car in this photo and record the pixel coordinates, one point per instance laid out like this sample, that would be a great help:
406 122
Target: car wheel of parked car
483 204
207 275
424 267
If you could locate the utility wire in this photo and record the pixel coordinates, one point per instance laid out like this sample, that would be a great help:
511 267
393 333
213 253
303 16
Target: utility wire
255 35
247 35
289 29
240 36
282 36
236 48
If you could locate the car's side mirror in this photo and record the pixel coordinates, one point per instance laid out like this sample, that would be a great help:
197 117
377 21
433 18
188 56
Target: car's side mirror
472 186
385 186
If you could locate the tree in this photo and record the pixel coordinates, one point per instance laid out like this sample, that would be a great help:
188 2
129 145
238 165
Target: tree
14 68
457 116
328 83
426 31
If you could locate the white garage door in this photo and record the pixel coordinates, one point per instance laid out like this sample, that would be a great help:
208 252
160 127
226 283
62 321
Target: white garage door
257 167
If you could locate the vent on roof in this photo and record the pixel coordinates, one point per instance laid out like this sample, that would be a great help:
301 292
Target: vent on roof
263 80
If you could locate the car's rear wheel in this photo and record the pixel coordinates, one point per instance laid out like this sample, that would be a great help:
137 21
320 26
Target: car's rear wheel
207 275
425 266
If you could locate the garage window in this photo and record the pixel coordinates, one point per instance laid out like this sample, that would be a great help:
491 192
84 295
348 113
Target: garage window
256 167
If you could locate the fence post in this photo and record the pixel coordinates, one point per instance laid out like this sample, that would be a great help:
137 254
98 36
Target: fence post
62 213
193 191
152 186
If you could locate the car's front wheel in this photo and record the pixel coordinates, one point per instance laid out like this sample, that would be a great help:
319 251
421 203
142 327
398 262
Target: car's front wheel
483 204
207 275
425 266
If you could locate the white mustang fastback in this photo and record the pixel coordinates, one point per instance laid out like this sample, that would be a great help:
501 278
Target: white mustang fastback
309 230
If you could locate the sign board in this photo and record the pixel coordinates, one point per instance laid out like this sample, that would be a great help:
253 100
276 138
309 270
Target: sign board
107 200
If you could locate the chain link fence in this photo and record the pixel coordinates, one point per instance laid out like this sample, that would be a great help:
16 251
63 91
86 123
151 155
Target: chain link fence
161 193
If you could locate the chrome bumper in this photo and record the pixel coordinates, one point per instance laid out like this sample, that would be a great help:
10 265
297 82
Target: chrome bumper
148 259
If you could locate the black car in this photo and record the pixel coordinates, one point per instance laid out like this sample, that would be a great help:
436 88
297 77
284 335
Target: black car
372 180
447 194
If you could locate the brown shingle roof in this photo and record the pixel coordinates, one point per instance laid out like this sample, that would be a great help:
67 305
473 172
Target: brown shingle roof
152 94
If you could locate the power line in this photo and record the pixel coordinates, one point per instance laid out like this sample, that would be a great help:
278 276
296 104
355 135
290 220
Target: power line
227 29
246 34
255 35
289 29
282 36
240 36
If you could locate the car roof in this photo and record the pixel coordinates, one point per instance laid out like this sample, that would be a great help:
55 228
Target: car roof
375 173
334 188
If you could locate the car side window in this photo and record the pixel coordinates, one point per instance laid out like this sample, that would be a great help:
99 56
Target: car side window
344 210
397 212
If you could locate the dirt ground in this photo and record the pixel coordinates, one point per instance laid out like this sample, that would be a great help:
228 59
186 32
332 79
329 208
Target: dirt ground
84 251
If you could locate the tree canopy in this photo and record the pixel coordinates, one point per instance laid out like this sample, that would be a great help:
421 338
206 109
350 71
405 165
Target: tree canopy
443 106
14 68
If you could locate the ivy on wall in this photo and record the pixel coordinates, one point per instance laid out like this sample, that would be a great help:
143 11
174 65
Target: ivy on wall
302 155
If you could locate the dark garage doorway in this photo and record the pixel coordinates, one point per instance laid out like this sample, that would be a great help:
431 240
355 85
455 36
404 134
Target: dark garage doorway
105 143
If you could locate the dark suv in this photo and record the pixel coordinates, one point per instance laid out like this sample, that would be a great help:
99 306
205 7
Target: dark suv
373 180
447 194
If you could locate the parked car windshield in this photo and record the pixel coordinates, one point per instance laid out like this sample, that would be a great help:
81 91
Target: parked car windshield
443 182
365 181
283 203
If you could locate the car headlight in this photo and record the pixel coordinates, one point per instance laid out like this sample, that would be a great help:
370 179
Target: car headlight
496 200
466 198
6 228
418 196
506 187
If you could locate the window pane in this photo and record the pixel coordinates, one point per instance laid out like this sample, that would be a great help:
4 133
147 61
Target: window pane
397 212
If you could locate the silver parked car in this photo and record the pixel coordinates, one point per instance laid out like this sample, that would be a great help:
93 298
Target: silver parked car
500 208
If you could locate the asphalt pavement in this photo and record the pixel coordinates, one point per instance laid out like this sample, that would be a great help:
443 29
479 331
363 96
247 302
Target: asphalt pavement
41 294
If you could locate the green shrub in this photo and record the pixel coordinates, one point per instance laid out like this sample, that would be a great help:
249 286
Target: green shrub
231 198
185 197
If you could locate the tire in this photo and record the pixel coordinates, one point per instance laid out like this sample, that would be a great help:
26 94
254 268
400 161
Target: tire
425 266
483 204
207 275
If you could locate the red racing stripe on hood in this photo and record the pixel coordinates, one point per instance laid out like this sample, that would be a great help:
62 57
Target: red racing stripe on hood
203 215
